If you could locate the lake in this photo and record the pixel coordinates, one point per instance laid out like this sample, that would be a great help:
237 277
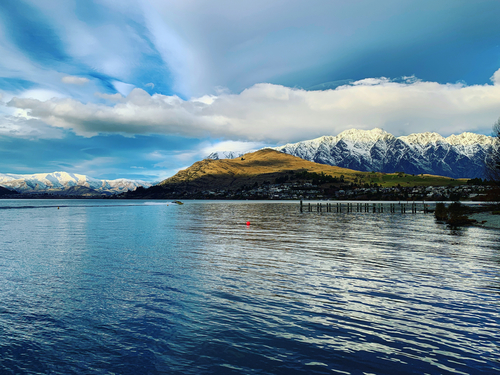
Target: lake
138 287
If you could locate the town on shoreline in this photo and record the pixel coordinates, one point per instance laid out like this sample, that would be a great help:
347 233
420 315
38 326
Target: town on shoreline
473 190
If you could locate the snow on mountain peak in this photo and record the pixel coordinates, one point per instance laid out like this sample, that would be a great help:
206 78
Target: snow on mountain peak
216 155
422 138
467 139
59 181
457 156
359 135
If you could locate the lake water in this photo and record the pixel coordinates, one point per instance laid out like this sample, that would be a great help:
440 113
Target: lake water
134 287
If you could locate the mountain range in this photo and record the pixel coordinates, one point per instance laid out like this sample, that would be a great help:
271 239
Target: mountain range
457 156
258 171
63 183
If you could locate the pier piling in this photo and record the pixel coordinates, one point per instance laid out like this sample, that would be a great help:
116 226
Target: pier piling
368 207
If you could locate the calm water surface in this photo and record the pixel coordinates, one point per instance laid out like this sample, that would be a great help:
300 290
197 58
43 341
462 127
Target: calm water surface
134 287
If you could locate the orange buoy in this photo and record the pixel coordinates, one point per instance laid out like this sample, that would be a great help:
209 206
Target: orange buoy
248 223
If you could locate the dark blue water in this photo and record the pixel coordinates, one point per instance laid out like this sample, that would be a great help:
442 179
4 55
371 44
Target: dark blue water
105 287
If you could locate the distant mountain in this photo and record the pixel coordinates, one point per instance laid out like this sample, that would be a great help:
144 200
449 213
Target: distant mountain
217 155
457 156
63 183
81 191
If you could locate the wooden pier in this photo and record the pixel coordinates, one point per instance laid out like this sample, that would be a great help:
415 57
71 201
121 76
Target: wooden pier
373 207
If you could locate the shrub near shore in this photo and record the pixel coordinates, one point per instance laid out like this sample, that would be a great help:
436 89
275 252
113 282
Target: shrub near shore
454 215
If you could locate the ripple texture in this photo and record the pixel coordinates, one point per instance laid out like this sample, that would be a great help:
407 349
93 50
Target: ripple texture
138 288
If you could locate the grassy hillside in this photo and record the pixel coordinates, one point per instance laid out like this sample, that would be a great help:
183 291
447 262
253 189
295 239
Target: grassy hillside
269 165
394 179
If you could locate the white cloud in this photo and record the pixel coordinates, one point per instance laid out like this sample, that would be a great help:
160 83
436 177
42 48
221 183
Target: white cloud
496 77
174 50
237 146
73 80
111 97
41 94
20 127
274 113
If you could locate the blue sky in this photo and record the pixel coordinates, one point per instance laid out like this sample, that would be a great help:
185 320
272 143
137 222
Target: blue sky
140 89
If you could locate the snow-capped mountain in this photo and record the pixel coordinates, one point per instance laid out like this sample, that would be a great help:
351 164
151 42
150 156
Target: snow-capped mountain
216 155
457 156
60 182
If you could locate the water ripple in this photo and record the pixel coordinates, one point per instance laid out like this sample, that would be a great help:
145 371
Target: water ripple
161 289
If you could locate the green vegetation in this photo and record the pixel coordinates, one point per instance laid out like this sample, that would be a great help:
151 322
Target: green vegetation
492 167
403 179
454 215
479 182
314 177
319 178
372 179
441 212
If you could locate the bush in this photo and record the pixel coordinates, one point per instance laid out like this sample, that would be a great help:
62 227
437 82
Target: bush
441 212
454 215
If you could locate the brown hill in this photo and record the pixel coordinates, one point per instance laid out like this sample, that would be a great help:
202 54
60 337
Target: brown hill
268 167
260 166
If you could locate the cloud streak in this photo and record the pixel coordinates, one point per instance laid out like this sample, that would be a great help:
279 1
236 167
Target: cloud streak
72 80
274 113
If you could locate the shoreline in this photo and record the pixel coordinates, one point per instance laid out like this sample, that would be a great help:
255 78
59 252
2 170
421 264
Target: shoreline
486 220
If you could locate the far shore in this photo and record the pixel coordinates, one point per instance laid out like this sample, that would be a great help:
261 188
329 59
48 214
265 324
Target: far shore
486 220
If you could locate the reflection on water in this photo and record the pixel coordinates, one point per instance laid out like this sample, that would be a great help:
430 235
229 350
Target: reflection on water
134 287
